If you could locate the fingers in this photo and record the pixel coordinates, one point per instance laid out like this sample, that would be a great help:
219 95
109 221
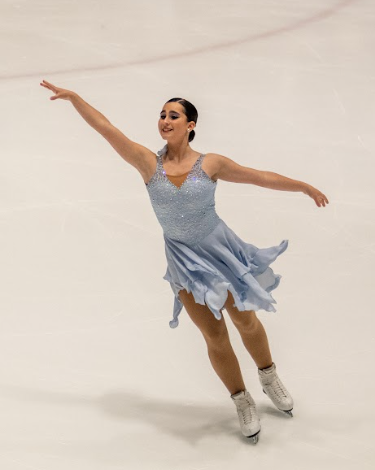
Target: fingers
53 88
324 200
321 200
49 86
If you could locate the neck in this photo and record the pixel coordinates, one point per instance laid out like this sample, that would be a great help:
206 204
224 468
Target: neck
178 151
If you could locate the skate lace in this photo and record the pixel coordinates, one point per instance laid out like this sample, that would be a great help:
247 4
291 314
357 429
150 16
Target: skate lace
247 413
279 388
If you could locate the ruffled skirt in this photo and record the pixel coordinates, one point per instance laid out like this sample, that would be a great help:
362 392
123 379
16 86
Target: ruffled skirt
222 262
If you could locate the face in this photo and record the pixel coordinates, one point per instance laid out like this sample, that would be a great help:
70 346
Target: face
173 124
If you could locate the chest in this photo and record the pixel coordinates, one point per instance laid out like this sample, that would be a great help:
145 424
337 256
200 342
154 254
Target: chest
196 190
178 173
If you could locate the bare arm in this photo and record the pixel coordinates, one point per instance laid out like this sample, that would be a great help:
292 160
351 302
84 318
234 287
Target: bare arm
135 154
228 170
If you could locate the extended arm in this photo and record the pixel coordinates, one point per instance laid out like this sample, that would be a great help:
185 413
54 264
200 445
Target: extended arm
228 170
135 154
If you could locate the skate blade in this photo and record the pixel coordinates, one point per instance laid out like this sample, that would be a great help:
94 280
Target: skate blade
288 412
254 437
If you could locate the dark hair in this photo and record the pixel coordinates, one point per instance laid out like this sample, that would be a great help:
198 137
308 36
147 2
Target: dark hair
190 112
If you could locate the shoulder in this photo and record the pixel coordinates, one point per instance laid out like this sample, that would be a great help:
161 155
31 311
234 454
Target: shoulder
213 163
215 159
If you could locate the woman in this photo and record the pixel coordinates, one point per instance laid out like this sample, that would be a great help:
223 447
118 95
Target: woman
209 267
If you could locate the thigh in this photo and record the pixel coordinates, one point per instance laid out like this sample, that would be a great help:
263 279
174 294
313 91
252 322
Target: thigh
202 316
242 320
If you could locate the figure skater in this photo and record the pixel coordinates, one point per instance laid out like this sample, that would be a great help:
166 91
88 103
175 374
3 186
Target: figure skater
209 267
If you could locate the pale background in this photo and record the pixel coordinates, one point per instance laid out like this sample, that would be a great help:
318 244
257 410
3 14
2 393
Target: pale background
92 377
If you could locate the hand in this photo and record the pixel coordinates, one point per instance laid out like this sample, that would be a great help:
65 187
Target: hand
59 92
319 198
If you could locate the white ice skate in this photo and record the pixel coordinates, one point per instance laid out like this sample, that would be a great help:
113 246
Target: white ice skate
275 390
247 414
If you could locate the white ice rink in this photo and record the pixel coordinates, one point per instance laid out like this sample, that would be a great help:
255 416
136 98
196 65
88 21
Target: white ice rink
92 377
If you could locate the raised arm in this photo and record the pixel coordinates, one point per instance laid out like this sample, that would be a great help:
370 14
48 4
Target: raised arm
228 170
135 154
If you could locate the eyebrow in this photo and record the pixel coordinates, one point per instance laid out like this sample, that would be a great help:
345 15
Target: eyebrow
171 111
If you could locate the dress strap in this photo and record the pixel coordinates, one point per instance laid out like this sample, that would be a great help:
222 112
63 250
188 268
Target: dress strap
198 163
159 165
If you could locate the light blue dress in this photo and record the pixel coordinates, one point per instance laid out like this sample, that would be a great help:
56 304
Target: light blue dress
204 256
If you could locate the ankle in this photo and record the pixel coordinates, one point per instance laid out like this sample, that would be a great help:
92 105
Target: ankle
237 391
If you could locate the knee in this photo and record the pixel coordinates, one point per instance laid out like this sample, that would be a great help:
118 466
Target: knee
217 335
245 322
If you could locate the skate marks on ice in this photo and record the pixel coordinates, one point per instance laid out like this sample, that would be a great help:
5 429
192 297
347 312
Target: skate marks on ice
294 25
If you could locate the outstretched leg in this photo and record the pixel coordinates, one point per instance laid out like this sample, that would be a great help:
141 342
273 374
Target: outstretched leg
215 333
252 333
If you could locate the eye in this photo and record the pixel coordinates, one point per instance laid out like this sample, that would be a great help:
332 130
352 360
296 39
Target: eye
174 117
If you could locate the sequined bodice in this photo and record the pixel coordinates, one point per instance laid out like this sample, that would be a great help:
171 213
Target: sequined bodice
186 213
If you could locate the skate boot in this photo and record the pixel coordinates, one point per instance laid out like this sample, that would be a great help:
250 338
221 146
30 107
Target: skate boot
275 390
247 414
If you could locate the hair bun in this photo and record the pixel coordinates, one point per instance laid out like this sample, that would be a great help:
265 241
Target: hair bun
191 135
